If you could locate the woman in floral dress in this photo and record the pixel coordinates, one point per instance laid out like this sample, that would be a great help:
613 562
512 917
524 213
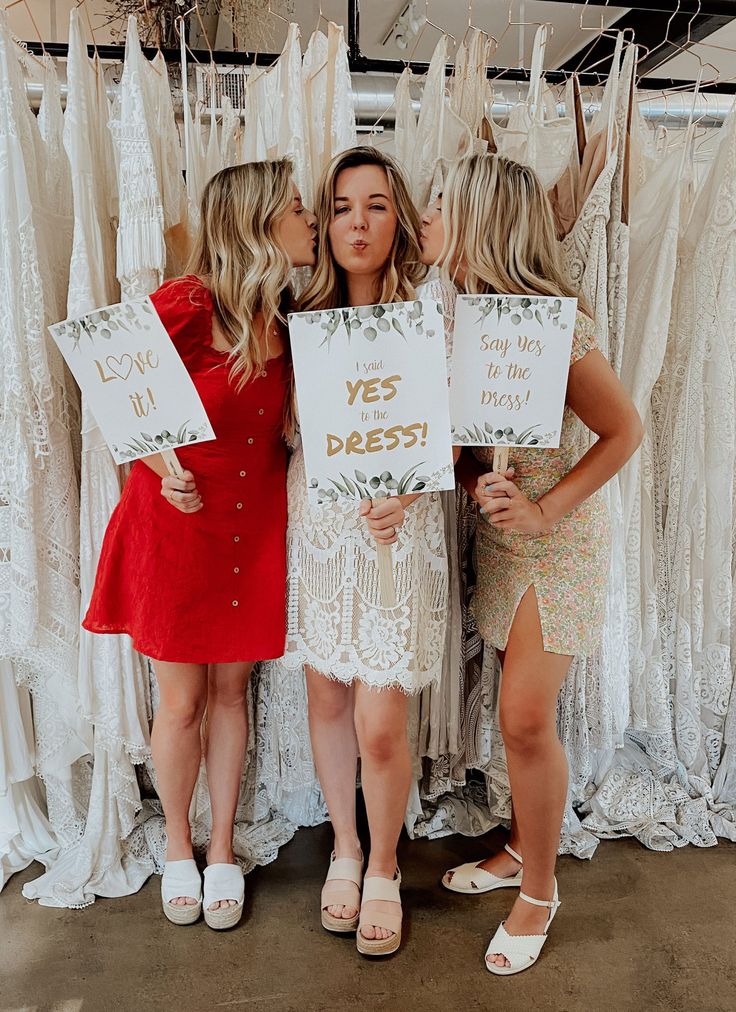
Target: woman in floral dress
542 539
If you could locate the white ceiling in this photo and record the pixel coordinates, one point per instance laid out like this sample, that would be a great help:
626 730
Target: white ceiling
378 16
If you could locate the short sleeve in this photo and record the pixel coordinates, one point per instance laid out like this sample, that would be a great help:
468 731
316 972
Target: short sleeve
184 307
445 295
583 339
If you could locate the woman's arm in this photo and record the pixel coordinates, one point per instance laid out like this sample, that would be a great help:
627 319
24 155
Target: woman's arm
598 398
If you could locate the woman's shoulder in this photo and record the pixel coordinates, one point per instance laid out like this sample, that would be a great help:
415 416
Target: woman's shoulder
188 290
184 306
584 336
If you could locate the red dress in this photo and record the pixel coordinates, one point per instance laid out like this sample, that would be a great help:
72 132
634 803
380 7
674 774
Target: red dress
209 586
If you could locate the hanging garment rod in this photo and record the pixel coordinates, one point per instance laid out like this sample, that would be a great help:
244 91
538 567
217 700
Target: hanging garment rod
364 65
373 97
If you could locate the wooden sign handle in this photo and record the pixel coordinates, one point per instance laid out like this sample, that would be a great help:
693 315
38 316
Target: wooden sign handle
386 582
173 465
500 459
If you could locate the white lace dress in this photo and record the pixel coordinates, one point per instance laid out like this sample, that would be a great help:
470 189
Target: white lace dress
39 590
336 623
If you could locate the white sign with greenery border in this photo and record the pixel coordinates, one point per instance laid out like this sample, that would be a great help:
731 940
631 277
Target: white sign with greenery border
510 361
136 385
373 400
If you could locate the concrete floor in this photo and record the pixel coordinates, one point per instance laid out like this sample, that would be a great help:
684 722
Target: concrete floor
637 931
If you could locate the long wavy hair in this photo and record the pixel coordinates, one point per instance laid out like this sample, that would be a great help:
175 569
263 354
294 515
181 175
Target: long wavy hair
499 225
237 255
403 269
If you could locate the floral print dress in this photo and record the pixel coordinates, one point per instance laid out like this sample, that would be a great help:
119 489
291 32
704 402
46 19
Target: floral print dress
567 566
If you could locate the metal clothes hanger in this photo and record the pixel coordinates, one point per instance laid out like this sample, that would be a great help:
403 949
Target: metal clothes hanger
428 24
33 56
320 18
521 24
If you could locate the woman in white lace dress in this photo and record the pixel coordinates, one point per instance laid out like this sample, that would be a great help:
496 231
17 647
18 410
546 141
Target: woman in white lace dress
362 660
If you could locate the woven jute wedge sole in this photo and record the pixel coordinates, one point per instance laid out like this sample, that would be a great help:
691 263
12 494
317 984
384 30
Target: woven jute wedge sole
223 918
182 913
340 925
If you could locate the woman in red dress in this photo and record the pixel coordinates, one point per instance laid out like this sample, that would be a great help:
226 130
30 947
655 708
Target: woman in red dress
197 578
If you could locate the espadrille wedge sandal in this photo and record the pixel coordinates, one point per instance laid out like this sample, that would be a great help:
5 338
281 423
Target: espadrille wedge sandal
181 878
375 888
342 888
223 882
471 879
522 951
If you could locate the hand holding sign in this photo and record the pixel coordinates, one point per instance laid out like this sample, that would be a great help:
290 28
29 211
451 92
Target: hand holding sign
136 385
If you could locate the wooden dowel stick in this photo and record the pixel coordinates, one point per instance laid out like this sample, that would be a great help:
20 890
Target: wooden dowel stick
386 582
500 459
173 465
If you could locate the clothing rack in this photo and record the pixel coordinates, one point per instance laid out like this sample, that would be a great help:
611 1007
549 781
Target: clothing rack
363 65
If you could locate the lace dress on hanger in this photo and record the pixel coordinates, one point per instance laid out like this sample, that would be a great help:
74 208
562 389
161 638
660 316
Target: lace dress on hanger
112 679
276 124
662 787
545 145
440 136
328 99
25 832
656 216
39 590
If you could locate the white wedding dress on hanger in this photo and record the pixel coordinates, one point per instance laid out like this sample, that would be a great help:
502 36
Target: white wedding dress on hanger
113 678
39 590
677 787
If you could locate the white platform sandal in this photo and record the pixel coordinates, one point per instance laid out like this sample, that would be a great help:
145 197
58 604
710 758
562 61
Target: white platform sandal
376 888
471 878
223 882
181 878
522 951
342 888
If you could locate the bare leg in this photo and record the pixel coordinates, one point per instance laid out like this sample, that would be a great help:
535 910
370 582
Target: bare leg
380 720
536 760
227 738
177 751
335 751
502 863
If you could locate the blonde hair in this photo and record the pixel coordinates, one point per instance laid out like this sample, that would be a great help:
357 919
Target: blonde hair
498 223
403 269
237 255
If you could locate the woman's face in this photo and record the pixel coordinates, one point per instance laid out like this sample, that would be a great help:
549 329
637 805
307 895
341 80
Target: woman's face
432 235
296 232
364 220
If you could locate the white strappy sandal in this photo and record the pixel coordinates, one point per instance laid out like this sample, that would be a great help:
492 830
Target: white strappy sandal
181 878
522 951
223 882
342 888
471 878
